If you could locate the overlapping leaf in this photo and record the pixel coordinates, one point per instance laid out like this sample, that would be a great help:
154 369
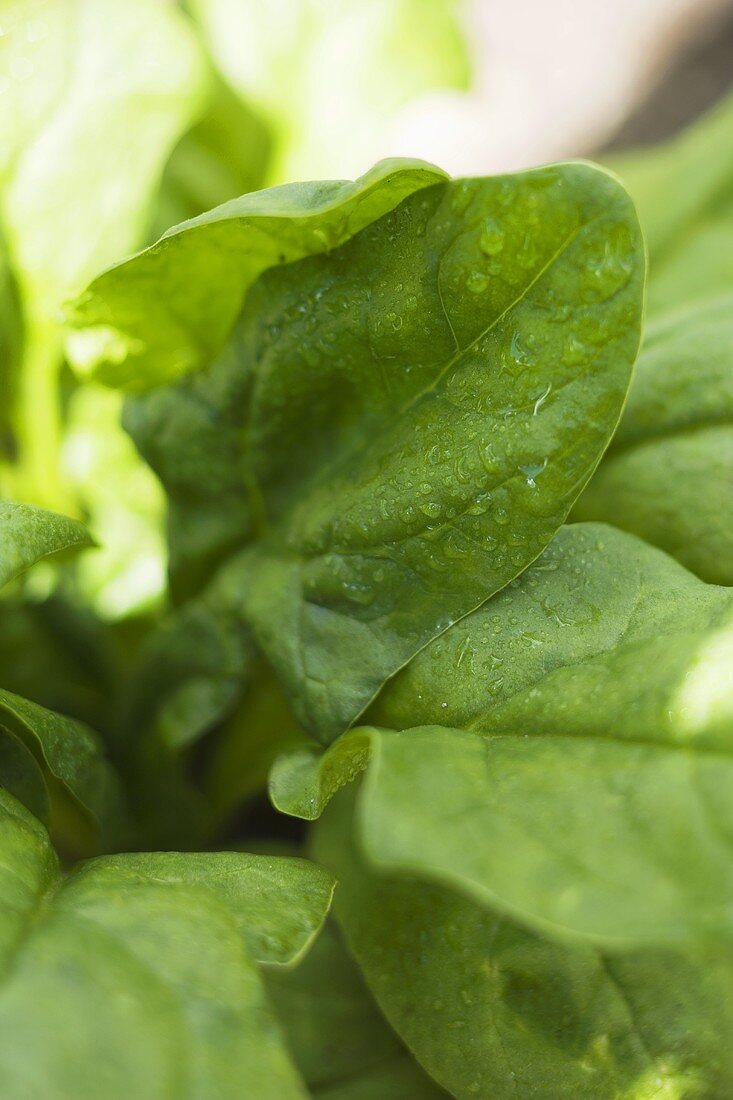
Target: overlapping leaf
37 742
572 749
669 471
136 975
671 463
394 429
684 193
496 1012
132 339
338 1038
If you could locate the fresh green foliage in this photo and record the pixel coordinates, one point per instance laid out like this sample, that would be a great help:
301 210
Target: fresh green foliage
446 433
78 170
29 534
152 954
670 467
556 751
47 756
684 194
339 1040
494 1011
369 409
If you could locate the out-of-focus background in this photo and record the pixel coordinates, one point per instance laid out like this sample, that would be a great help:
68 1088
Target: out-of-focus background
119 119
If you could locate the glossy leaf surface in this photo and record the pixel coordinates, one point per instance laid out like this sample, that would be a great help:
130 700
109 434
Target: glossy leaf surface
446 381
136 340
551 776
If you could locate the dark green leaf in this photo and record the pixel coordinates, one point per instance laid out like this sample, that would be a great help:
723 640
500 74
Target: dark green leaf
445 382
70 753
21 775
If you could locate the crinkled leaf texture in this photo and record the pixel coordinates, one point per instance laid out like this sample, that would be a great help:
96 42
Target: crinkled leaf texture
395 428
669 470
496 1012
571 759
337 1035
136 975
28 534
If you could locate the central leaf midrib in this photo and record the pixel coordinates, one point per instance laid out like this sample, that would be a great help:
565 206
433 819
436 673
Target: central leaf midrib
363 443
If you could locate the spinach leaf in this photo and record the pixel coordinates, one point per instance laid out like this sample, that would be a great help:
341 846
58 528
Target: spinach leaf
30 533
338 1038
683 191
496 1012
670 466
446 381
199 675
70 755
133 339
549 776
671 462
136 975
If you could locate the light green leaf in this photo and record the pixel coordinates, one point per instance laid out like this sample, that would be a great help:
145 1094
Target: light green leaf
495 1012
670 465
338 1038
671 462
126 573
278 903
136 339
582 778
683 191
445 382
11 344
28 534
332 80
134 976
81 159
